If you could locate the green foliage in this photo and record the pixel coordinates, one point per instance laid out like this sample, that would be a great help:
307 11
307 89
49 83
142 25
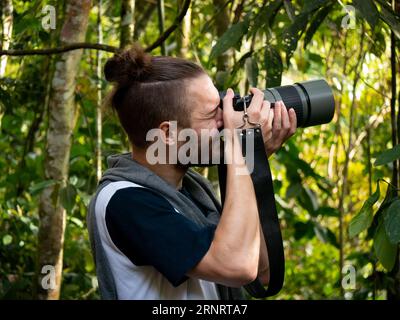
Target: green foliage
273 66
387 156
230 38
368 10
271 47
384 249
392 222
364 218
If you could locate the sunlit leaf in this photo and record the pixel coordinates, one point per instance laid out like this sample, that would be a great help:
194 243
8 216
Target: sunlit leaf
38 187
392 222
390 18
68 196
384 249
364 218
7 239
273 65
368 10
388 156
230 38
316 23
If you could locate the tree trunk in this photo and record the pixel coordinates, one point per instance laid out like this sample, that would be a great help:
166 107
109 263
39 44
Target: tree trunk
99 112
127 22
7 26
61 122
222 22
183 34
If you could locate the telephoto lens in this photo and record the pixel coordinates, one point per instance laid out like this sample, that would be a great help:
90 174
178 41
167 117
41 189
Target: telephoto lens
312 101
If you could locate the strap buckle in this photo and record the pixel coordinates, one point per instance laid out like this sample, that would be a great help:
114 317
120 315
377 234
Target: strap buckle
246 119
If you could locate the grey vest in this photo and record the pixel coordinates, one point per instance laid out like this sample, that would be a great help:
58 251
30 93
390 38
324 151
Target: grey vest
123 168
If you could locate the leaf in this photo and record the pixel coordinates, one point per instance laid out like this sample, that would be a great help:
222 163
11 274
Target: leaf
368 10
263 17
312 5
308 200
7 239
274 67
67 197
392 222
293 190
230 38
364 218
303 229
38 187
385 251
328 212
76 221
325 235
379 47
388 156
390 18
112 141
251 68
293 33
315 24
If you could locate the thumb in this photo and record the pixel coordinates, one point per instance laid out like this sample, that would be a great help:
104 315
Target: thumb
227 101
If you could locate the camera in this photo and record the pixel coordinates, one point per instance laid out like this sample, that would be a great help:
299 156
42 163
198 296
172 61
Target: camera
313 101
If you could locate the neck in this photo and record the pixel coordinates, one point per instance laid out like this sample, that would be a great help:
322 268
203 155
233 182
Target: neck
172 173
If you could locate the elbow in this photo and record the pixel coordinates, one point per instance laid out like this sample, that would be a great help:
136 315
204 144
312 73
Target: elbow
243 275
263 277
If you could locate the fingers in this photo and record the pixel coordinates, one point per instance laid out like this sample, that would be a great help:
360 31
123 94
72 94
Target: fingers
293 122
285 120
228 111
265 110
256 104
227 101
277 117
267 117
284 126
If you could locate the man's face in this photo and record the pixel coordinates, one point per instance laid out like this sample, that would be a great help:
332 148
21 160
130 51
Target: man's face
206 116
203 99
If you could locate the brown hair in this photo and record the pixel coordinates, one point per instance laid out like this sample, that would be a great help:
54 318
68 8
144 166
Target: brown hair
148 90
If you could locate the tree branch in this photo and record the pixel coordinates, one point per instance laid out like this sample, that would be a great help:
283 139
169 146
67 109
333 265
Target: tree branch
68 47
98 46
171 29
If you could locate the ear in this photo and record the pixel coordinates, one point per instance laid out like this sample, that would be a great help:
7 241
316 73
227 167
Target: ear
169 132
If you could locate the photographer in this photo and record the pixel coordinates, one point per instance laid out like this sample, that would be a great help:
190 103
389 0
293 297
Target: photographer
157 230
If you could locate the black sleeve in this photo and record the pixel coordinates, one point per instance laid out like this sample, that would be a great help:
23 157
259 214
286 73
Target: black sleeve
148 230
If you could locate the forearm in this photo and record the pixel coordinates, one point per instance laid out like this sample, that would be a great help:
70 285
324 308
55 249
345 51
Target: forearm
238 232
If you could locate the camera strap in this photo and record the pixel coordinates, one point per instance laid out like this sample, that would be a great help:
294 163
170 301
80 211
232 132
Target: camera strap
262 180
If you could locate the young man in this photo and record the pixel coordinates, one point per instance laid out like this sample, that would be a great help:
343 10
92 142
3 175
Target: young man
157 229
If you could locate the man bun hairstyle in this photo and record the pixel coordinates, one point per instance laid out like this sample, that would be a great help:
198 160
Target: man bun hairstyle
149 90
132 65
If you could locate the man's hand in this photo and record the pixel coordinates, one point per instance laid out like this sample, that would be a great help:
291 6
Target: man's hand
279 127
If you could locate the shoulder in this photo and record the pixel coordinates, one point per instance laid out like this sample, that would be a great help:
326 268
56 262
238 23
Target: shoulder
124 195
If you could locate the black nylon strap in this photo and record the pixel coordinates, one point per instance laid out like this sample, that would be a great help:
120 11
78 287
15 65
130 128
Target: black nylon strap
264 191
